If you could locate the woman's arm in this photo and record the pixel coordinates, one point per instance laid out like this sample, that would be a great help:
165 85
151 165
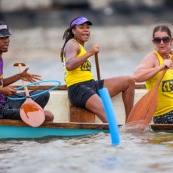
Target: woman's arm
10 80
148 68
24 76
72 49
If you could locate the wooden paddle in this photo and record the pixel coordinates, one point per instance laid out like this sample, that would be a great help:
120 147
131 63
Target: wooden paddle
30 112
97 66
141 114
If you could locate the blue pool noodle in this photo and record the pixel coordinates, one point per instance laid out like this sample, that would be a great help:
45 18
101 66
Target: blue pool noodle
110 113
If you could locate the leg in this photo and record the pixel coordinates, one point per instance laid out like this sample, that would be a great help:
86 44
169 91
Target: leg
12 108
16 103
97 107
85 95
164 119
42 100
124 84
10 113
49 117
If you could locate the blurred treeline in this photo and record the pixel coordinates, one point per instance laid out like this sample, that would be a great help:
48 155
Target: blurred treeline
52 13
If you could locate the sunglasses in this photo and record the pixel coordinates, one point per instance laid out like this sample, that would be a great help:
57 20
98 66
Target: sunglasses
164 39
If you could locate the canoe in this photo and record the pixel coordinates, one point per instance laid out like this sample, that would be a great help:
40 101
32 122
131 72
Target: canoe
62 127
59 103
162 128
16 129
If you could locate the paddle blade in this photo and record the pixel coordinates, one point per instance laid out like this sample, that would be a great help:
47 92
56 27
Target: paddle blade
143 110
31 113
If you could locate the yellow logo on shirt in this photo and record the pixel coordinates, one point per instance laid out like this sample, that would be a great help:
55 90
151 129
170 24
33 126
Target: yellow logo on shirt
167 86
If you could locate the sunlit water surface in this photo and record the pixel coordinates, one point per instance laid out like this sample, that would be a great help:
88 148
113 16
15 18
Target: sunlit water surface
137 153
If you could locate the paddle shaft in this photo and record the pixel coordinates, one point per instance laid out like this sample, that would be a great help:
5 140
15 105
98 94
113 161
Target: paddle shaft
161 77
145 107
97 66
26 89
30 112
155 95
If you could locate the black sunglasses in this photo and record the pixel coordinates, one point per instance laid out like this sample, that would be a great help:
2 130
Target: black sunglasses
164 39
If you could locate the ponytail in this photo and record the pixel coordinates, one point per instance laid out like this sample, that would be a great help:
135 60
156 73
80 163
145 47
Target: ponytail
67 36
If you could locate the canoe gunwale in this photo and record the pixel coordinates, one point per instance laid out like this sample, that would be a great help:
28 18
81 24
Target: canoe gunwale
70 125
162 127
63 87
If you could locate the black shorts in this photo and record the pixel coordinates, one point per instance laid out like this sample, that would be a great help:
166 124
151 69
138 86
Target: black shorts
164 119
79 93
11 109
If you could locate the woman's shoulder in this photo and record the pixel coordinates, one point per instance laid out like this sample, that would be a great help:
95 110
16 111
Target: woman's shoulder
151 55
72 43
150 60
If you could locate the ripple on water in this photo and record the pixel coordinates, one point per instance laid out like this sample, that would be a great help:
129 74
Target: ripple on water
138 152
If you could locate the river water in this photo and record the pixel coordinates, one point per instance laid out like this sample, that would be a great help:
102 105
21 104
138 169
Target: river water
137 153
52 68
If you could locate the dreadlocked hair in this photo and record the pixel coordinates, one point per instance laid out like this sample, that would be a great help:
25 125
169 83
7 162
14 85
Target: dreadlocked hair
67 36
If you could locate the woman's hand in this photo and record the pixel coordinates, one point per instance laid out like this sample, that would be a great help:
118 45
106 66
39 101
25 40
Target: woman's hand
29 77
168 63
7 91
94 49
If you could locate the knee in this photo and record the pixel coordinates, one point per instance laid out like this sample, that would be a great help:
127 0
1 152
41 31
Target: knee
48 116
131 81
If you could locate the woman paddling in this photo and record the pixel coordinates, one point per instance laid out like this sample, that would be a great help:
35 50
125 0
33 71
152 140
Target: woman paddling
150 69
82 88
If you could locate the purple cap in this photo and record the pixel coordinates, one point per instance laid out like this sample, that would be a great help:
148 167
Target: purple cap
4 31
79 21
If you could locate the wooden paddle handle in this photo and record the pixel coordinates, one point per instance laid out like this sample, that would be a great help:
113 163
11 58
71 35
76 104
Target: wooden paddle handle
20 64
163 73
17 63
97 66
161 77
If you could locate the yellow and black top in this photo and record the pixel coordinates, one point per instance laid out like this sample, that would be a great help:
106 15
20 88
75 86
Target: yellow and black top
80 74
165 90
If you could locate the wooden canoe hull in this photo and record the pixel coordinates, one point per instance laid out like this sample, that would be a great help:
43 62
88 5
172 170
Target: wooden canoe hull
162 127
58 104
14 129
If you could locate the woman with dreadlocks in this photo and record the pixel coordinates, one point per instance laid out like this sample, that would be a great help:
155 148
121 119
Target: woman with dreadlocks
82 88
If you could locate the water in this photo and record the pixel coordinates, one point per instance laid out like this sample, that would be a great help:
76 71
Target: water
52 68
137 153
